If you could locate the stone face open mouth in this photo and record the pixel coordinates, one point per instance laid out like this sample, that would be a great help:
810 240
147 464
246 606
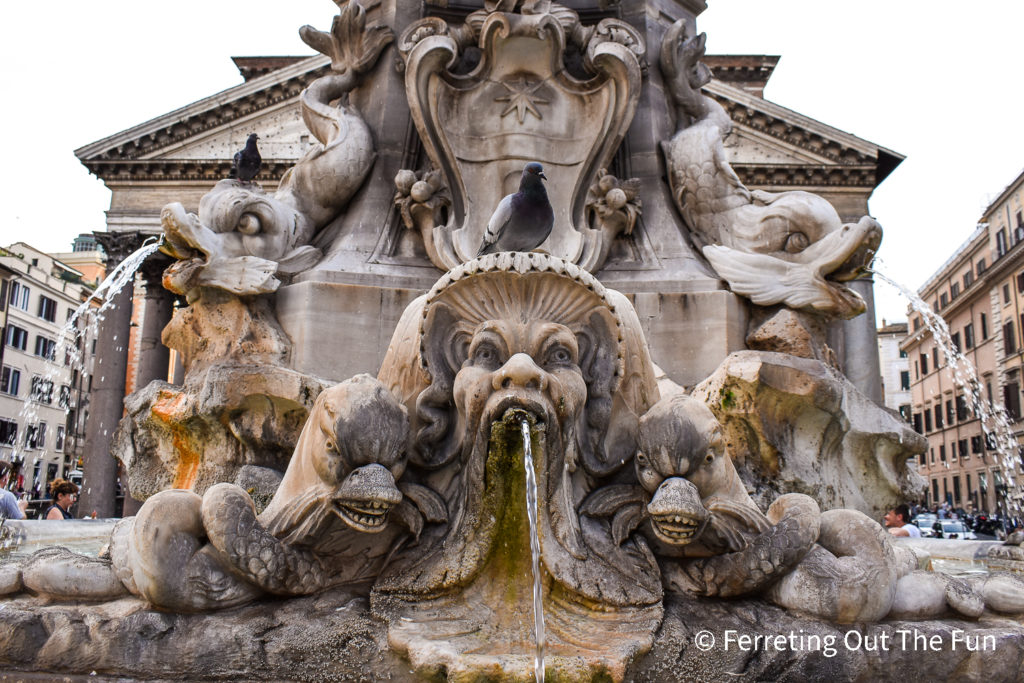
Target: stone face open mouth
678 529
517 408
366 516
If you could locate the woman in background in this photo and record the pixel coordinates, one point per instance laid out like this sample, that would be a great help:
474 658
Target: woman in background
64 494
10 506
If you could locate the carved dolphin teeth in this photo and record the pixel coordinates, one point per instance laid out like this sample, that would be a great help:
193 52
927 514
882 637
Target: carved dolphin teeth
363 515
676 528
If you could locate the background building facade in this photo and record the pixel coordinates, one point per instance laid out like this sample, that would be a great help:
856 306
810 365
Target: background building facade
895 366
41 381
979 292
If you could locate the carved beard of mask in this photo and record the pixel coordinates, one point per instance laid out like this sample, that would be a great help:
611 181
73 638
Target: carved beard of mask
533 366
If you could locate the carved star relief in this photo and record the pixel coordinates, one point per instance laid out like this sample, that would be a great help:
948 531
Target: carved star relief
521 98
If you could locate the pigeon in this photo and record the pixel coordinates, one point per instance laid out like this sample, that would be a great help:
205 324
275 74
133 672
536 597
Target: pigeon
247 162
522 220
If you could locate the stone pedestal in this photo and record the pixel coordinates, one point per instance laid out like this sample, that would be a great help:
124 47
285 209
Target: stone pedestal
339 330
691 333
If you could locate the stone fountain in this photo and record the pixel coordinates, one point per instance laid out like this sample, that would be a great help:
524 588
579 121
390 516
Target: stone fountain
307 520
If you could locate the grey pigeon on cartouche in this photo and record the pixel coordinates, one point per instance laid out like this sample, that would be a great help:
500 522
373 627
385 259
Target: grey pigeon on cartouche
522 220
247 162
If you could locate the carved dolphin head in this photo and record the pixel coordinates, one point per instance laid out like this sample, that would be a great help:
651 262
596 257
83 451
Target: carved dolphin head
360 450
681 461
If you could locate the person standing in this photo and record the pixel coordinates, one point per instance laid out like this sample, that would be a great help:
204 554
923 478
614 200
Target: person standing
897 521
64 495
10 506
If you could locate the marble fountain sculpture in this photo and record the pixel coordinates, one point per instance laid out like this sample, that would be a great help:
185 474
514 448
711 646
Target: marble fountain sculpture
306 525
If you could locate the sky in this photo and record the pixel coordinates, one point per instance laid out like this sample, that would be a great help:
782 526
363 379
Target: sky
936 81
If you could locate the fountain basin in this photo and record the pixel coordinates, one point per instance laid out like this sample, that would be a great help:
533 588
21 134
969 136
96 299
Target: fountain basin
273 641
954 556
21 538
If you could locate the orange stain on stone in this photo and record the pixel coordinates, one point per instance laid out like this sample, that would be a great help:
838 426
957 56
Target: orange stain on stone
169 408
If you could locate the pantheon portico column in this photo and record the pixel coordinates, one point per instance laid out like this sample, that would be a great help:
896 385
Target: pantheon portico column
154 358
862 366
106 399
157 309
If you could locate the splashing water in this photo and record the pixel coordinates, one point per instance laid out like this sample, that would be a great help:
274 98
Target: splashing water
531 512
72 337
994 422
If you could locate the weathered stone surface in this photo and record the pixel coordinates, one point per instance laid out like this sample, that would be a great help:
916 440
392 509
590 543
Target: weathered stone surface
794 424
791 332
234 415
220 327
58 572
330 637
676 655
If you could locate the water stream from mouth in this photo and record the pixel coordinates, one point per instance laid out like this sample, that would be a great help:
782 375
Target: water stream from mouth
994 422
531 512
70 348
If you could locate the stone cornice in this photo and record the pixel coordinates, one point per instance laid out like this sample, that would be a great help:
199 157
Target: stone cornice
177 170
745 71
806 175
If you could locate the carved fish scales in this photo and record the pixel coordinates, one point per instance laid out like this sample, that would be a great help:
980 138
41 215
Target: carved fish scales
232 527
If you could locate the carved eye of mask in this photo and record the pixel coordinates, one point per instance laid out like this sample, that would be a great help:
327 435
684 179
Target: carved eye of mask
486 355
559 355
559 348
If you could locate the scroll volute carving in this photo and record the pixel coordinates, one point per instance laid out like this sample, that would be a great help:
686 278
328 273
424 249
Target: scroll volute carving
520 104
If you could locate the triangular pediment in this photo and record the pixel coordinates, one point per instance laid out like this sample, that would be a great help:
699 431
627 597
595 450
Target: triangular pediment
749 146
198 141
767 135
281 130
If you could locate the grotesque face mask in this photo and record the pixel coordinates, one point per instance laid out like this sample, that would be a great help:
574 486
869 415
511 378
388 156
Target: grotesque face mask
530 366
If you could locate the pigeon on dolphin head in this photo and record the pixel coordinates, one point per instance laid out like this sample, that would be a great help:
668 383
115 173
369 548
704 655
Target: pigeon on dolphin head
247 161
523 220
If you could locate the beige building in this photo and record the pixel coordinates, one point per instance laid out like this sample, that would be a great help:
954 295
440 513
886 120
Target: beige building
85 257
39 398
979 292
